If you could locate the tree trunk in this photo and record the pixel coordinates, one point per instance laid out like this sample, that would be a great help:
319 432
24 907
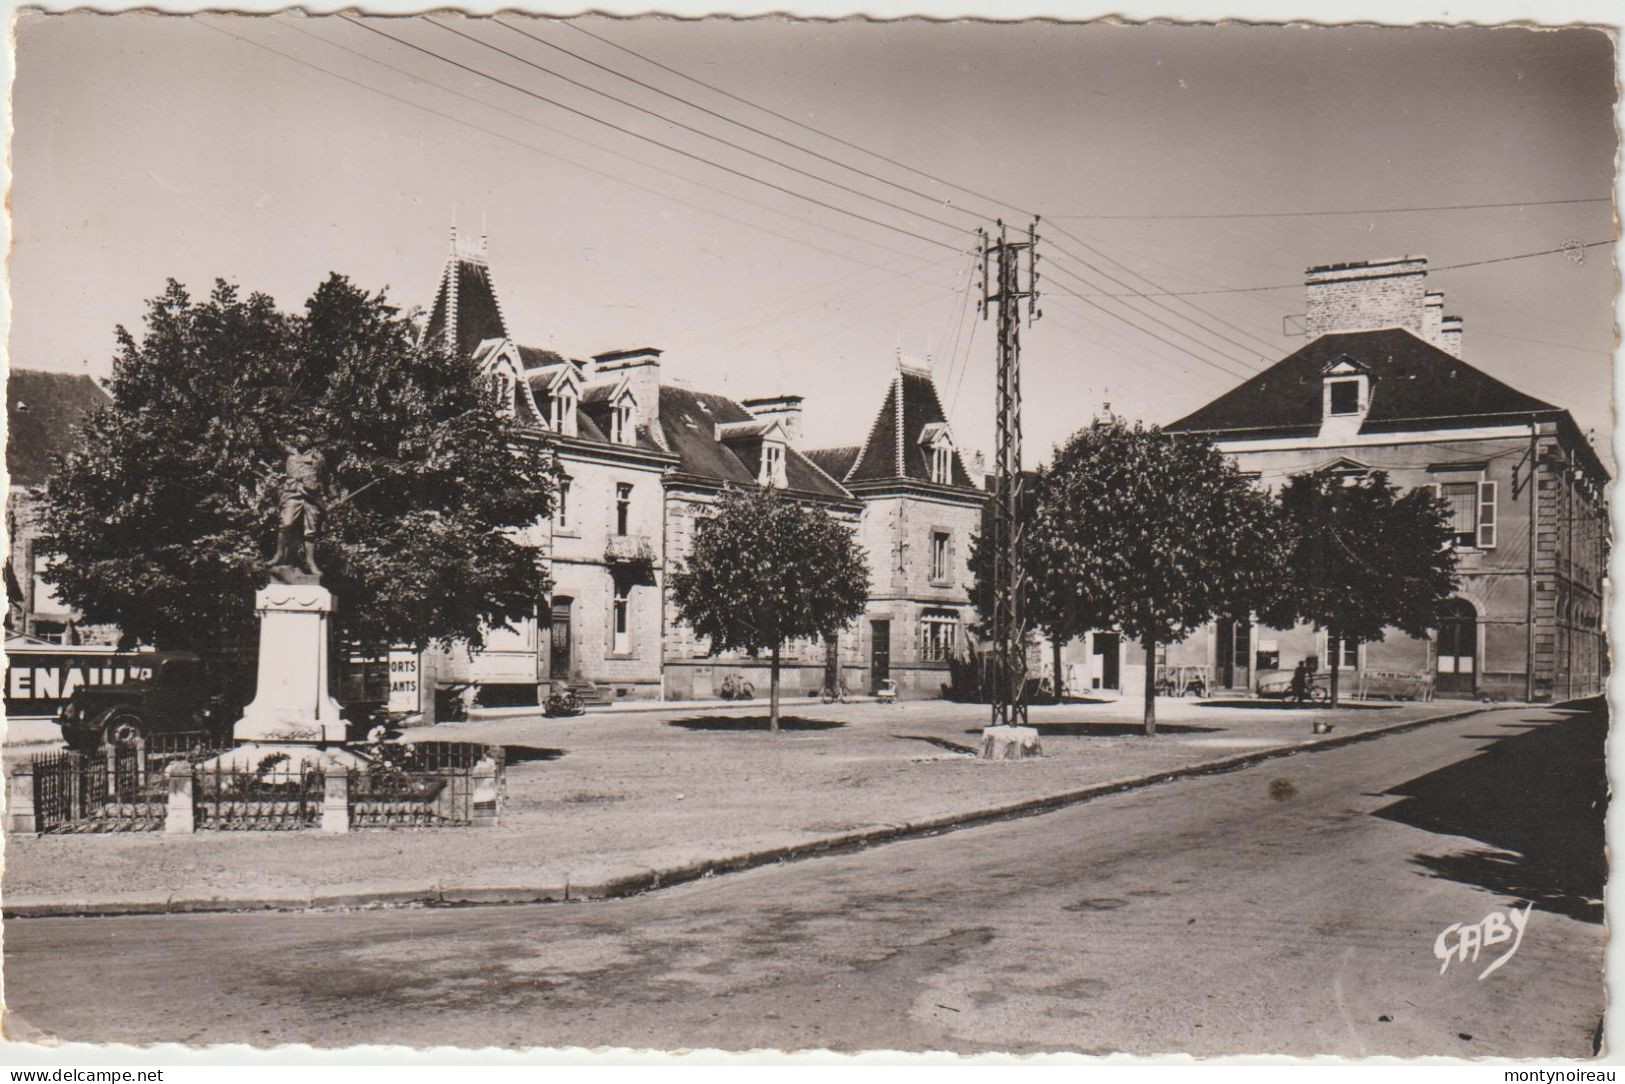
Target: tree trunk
1060 683
773 693
1150 686
1334 648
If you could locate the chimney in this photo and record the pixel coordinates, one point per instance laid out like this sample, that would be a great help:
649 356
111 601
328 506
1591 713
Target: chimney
1450 329
1432 314
784 409
1366 295
641 366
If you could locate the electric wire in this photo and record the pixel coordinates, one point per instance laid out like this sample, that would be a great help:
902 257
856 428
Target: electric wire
200 20
1351 211
651 140
497 19
702 133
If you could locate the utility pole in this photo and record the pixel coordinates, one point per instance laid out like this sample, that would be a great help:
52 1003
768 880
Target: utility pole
1009 584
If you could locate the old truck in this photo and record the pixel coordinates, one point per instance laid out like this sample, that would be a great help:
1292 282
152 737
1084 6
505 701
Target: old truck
171 695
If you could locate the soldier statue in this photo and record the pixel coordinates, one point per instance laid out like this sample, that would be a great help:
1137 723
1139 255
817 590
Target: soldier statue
305 493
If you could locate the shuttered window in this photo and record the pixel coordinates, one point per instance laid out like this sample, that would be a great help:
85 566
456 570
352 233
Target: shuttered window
1486 515
1462 497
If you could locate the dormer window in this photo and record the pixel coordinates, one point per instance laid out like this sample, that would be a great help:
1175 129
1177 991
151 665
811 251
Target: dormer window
1343 397
1346 390
563 417
772 470
939 451
622 423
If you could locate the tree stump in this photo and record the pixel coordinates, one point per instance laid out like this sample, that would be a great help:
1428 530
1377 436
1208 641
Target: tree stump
1010 743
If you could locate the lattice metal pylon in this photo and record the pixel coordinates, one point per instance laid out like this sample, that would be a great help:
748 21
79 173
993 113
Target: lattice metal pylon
1003 259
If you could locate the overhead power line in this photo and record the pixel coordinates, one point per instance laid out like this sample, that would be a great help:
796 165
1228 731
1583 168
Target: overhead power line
1155 320
1206 315
649 139
554 155
701 132
1155 301
934 200
1299 285
1351 211
1544 342
788 119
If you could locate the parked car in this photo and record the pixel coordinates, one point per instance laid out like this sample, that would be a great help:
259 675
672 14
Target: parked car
176 697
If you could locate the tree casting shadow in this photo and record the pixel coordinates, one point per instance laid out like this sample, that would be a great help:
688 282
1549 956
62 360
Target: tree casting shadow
1285 705
754 722
1108 730
1537 800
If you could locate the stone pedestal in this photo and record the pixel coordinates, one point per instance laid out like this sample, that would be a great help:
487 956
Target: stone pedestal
20 819
293 712
1010 743
291 698
180 816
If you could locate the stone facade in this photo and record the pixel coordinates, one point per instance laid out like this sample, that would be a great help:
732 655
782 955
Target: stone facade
693 673
1526 487
44 411
921 510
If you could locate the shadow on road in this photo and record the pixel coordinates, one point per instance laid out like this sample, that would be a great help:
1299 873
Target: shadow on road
1537 800
1107 730
754 722
1286 705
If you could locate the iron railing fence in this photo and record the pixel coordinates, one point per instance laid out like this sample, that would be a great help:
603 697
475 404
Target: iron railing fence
190 745
426 785
436 756
411 799
267 799
117 792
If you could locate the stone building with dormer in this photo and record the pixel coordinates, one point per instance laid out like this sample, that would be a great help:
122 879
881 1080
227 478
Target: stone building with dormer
920 512
640 459
600 630
1383 385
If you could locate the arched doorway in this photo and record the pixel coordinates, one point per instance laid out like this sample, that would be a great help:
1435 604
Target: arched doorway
558 655
1456 669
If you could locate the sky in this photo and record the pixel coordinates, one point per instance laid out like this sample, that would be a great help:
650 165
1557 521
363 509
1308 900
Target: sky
808 255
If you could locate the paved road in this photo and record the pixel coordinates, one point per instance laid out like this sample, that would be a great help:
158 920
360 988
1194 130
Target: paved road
1288 908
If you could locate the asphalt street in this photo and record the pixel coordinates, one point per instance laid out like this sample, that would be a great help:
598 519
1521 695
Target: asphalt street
1293 907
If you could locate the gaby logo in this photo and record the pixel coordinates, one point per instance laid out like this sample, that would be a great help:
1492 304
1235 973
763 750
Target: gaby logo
1456 942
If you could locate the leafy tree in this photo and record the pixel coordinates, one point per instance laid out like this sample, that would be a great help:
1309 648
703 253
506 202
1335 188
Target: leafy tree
1049 606
1151 532
164 519
1359 557
766 569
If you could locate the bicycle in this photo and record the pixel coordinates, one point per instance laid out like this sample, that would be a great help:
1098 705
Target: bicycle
563 704
736 688
840 694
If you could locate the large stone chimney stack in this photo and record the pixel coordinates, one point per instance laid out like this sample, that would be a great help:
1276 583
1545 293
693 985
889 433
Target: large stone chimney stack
784 409
1432 315
640 366
1450 330
1366 295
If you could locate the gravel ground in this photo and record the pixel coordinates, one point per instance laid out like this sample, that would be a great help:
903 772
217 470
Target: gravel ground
607 795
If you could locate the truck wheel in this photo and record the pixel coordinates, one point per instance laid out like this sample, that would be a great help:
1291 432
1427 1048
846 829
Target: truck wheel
122 730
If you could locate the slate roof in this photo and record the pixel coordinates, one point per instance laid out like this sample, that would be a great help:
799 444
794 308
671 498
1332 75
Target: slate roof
1414 384
835 462
689 420
479 317
536 357
893 450
44 412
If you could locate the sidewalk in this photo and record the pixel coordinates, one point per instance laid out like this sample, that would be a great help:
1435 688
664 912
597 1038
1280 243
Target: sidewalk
615 802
